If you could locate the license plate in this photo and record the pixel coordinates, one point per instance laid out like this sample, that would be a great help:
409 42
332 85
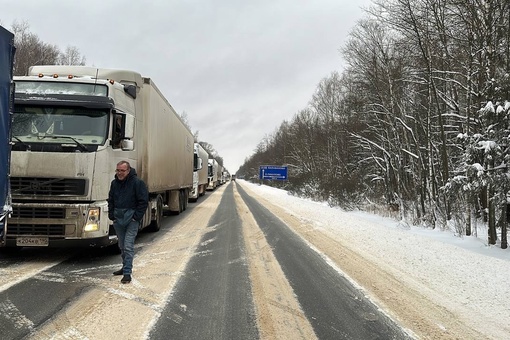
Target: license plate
32 241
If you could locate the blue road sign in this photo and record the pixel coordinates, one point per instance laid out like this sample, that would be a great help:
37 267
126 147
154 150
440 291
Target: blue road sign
273 172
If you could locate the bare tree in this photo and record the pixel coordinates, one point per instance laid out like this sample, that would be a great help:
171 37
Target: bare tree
211 151
71 56
427 84
30 50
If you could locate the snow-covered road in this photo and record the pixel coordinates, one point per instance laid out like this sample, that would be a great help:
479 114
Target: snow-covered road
464 281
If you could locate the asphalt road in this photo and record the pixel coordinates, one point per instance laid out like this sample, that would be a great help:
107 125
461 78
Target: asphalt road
335 308
212 297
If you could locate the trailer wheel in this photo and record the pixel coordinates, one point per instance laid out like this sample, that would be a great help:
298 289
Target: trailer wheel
156 224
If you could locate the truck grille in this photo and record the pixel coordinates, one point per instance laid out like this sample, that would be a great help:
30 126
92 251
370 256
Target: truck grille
48 186
38 212
36 229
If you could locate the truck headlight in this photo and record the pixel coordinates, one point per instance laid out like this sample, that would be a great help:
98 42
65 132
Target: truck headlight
92 220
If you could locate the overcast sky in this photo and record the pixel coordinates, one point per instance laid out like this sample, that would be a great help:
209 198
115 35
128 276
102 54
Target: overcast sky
237 68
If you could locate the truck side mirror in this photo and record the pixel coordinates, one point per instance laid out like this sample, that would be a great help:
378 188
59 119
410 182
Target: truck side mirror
130 90
123 131
127 145
129 131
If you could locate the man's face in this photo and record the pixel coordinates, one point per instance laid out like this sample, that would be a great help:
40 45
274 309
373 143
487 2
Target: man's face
122 171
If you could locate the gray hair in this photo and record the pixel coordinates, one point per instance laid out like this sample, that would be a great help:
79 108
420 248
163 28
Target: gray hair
124 162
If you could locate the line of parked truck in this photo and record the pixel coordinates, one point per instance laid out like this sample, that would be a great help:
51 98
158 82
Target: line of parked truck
208 174
71 125
217 174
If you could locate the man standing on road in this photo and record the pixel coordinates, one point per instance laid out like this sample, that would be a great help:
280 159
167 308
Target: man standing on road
127 201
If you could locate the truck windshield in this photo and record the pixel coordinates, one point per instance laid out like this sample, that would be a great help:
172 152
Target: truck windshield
34 124
54 87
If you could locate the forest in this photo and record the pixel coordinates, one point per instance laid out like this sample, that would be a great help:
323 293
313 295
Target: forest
417 123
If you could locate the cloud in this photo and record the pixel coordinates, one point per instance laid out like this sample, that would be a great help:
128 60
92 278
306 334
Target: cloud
237 68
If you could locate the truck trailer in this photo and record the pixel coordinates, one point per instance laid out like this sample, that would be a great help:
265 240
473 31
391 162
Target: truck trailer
71 126
200 170
6 63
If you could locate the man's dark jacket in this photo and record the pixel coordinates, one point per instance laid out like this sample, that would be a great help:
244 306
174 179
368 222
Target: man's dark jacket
131 194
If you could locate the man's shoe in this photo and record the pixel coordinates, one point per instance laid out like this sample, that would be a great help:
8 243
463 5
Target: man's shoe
118 272
126 279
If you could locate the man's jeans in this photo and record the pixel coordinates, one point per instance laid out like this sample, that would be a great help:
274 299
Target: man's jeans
126 236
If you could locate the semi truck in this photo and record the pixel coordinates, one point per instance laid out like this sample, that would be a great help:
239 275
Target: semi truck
199 173
71 126
212 174
225 176
6 64
219 175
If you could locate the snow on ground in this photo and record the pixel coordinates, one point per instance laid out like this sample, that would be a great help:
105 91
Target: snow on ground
463 274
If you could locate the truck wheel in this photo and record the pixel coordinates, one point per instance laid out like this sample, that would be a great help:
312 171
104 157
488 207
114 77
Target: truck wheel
156 224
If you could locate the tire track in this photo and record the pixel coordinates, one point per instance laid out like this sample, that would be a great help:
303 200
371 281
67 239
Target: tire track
279 314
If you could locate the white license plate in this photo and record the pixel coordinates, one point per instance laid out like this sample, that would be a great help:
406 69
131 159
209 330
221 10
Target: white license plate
32 241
